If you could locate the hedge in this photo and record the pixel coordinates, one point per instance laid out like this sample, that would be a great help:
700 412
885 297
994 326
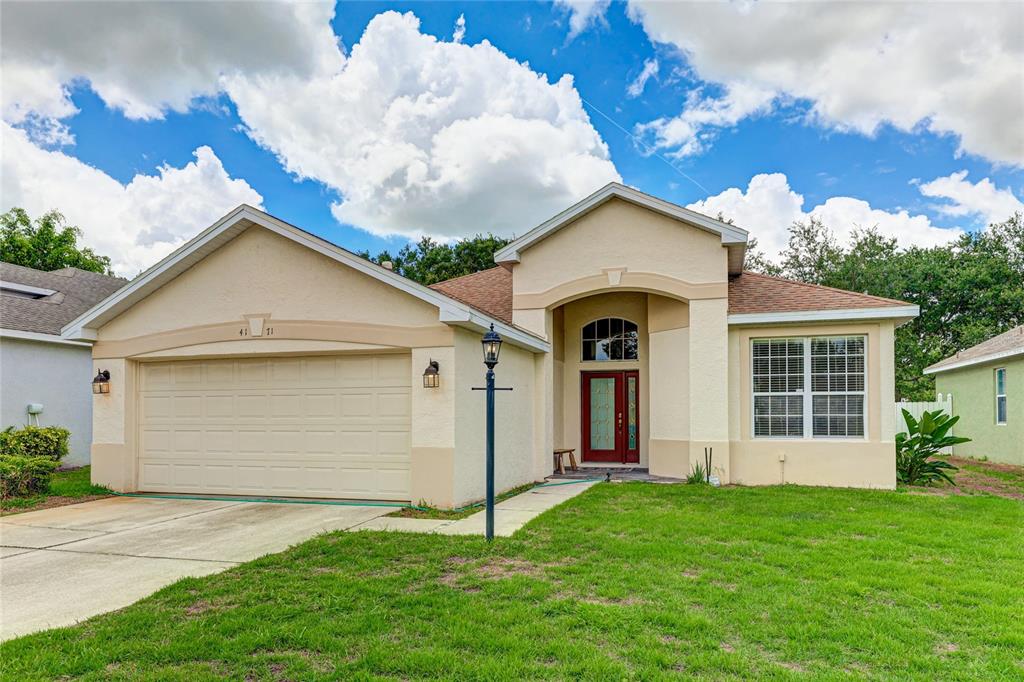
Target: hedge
50 442
25 475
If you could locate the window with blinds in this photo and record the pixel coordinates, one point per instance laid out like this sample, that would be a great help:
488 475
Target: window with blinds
809 387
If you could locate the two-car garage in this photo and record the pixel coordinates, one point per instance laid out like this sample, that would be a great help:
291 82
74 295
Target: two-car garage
335 426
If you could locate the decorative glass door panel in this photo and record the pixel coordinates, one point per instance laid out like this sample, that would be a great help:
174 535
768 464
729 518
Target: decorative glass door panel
611 416
602 413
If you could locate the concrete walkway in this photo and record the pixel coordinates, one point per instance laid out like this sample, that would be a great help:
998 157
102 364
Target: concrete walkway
59 566
509 516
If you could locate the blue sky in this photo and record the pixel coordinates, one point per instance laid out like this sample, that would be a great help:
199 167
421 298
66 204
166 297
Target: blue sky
907 173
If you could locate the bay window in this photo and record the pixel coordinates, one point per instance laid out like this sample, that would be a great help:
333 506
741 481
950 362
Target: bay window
809 387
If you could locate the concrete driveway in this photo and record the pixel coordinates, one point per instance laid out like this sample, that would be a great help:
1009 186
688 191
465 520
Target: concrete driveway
61 565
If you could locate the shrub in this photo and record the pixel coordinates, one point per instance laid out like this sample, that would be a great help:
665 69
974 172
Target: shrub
922 441
25 475
35 441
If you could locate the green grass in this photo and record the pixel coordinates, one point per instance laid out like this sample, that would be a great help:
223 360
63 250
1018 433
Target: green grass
70 483
455 514
625 581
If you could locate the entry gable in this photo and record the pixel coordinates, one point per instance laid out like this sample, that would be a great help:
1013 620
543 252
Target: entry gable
732 237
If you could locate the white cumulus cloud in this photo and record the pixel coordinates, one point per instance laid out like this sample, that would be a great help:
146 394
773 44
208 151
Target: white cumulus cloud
952 68
135 224
423 136
981 200
144 58
768 206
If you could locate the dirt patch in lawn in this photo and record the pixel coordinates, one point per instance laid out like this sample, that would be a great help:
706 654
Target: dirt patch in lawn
49 503
977 477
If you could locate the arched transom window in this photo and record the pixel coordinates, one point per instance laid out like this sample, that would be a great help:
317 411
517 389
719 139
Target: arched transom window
611 338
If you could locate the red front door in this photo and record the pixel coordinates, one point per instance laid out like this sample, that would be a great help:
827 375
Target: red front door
611 416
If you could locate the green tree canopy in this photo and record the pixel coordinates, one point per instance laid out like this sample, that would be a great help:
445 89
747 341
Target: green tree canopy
46 243
968 291
428 261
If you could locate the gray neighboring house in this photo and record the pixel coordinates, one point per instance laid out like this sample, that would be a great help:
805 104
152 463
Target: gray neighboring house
36 364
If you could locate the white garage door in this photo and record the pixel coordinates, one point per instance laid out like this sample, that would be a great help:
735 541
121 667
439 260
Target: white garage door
318 426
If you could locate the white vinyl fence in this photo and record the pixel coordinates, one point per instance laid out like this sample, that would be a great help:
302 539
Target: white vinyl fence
941 402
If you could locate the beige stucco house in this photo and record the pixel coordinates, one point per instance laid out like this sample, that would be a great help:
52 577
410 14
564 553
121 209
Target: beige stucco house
259 359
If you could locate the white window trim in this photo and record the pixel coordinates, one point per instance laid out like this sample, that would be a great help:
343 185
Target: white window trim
1002 395
808 394
609 360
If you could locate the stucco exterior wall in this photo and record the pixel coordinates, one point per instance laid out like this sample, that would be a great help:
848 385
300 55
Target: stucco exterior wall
973 390
868 462
57 375
515 456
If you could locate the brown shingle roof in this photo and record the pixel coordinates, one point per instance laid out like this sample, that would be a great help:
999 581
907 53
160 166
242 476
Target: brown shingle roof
491 292
487 290
1005 343
75 292
751 292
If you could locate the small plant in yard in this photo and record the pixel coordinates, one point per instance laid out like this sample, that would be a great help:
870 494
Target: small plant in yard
698 474
918 447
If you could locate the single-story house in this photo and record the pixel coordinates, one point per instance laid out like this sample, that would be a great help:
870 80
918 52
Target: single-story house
987 385
44 378
259 359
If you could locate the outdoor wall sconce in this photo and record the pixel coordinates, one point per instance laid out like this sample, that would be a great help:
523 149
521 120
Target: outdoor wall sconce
432 375
101 382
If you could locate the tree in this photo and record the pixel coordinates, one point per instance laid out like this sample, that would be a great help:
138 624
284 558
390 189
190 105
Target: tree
968 291
428 261
46 243
812 253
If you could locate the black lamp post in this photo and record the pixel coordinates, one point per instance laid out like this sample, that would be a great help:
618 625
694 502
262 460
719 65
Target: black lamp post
492 347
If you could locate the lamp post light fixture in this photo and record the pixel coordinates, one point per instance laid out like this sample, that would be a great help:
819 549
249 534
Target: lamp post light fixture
432 375
101 382
492 348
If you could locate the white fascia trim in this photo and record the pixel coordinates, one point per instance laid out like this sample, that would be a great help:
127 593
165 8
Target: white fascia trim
848 314
26 288
447 306
991 357
39 336
730 234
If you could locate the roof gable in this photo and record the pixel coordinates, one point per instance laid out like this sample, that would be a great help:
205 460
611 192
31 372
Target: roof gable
450 310
732 237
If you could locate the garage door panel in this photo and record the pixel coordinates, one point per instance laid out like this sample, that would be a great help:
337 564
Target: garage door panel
322 426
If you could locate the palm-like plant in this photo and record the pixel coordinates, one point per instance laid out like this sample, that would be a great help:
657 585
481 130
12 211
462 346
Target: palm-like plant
922 441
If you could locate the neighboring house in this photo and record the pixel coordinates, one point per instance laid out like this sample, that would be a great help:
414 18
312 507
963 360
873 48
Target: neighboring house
39 367
260 359
987 385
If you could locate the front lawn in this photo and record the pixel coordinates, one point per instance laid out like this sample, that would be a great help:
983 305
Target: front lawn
69 486
625 581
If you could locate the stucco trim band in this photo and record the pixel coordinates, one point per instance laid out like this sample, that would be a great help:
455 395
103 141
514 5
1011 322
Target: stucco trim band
649 282
354 332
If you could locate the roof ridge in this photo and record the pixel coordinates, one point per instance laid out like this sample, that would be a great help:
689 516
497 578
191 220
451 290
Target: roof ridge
821 286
